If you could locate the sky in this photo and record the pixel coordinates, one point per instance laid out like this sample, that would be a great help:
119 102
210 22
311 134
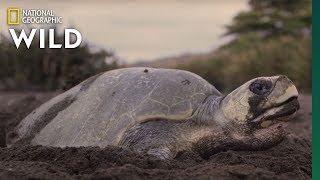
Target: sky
142 30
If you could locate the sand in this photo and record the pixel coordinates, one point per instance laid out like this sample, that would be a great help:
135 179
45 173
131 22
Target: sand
291 159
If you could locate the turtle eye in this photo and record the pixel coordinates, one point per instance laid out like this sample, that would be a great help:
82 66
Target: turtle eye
260 87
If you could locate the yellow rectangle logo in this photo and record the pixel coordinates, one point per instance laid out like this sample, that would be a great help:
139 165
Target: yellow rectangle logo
13 16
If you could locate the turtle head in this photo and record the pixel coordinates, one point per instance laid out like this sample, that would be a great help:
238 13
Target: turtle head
261 102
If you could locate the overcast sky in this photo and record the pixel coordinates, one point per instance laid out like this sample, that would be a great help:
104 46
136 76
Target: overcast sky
141 29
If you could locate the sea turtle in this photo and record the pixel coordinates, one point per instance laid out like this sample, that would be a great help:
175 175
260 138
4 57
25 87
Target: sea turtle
160 112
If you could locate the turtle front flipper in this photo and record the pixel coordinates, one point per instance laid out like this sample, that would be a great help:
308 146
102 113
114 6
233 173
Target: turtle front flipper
259 140
264 138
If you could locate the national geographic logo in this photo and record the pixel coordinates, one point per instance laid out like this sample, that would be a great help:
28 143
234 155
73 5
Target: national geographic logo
13 16
16 16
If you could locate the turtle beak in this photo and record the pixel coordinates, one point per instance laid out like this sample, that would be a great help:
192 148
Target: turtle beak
283 90
279 112
282 103
290 92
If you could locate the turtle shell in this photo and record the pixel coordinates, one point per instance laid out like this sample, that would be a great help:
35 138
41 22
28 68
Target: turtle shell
99 110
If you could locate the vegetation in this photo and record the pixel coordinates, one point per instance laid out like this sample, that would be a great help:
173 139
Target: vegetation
48 69
272 38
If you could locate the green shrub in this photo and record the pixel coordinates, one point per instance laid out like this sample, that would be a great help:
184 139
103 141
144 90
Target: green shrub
48 69
272 38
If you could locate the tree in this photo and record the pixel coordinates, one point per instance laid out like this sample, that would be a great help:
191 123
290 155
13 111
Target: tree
274 18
